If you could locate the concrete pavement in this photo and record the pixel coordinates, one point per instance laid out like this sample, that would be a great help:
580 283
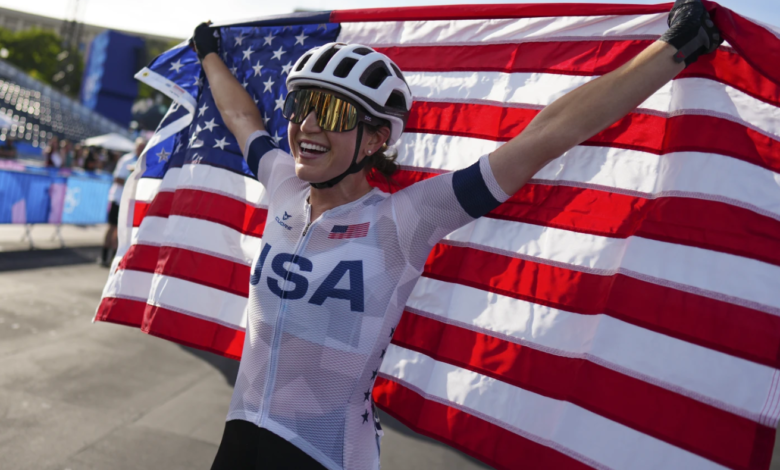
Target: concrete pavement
81 396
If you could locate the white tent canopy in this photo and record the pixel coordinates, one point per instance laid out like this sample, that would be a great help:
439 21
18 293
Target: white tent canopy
111 141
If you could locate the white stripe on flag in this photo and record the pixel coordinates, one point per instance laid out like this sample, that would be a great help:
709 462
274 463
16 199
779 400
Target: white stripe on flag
558 424
500 31
724 381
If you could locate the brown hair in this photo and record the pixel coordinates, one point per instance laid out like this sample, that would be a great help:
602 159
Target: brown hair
382 163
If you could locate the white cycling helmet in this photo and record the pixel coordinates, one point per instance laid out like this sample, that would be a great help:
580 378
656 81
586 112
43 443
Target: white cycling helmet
360 73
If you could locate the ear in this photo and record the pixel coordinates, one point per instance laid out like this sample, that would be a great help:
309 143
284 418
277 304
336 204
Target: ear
375 141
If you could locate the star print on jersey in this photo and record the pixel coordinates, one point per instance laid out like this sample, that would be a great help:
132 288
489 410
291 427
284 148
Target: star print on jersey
365 417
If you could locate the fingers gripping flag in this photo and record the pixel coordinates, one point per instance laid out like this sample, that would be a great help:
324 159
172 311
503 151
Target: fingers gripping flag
621 311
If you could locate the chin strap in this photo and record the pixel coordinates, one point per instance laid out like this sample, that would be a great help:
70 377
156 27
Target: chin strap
353 168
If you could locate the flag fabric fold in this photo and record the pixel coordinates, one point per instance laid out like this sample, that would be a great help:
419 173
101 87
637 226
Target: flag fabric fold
621 311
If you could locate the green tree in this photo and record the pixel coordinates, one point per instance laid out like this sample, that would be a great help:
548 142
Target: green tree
40 54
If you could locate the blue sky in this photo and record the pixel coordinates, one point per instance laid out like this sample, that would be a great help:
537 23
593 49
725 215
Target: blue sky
177 18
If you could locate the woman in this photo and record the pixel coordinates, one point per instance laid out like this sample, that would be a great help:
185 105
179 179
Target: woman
52 153
339 259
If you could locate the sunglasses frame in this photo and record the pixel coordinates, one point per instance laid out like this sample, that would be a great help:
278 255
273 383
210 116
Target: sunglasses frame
362 116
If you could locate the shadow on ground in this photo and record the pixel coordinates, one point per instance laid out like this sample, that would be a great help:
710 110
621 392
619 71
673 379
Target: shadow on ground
34 259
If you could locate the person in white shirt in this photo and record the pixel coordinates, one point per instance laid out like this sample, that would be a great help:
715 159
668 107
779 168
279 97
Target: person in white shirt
124 167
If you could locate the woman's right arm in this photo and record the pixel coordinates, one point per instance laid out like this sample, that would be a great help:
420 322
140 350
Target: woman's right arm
236 107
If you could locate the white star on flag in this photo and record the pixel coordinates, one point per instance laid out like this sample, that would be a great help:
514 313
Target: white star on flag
287 68
196 158
178 147
248 52
266 119
239 40
163 155
276 137
244 84
257 68
322 26
210 125
279 103
176 66
202 110
255 99
268 39
198 82
300 39
233 70
268 84
221 143
278 54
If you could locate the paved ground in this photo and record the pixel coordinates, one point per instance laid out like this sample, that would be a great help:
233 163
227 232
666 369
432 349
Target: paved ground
82 396
13 237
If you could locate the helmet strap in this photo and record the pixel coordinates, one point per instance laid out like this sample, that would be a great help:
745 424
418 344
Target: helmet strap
354 167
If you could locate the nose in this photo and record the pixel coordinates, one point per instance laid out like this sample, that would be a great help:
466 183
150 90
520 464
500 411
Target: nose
309 125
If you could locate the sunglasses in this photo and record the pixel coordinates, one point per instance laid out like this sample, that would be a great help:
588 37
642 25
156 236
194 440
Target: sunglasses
334 114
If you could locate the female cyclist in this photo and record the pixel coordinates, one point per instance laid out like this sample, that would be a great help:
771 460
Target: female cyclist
339 258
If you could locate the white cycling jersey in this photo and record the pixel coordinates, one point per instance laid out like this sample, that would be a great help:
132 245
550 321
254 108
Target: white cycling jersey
325 298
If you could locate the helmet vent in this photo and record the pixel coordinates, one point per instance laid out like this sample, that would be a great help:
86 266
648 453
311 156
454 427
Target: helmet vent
396 101
345 67
302 63
375 74
322 62
398 72
362 51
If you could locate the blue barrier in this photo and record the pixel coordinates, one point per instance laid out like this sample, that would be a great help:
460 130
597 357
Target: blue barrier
44 195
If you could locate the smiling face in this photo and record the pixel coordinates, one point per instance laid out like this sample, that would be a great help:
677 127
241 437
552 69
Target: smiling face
322 155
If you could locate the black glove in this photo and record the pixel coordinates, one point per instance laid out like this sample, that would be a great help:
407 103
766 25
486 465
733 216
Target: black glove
691 31
205 40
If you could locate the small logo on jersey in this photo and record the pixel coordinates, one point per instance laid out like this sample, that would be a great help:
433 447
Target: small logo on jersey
339 232
284 217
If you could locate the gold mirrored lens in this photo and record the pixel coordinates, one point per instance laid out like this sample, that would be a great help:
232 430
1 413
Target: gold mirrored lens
333 114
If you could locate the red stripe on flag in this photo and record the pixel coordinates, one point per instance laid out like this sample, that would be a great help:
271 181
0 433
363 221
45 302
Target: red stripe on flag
725 327
205 205
188 265
488 442
710 225
637 131
465 12
583 58
121 311
702 429
192 331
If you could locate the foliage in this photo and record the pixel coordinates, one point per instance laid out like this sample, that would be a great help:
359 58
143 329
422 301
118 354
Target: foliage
40 54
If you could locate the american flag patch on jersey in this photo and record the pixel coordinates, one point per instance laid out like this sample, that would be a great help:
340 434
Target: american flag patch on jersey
349 231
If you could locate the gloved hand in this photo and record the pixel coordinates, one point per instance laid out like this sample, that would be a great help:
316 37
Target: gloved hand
691 31
205 40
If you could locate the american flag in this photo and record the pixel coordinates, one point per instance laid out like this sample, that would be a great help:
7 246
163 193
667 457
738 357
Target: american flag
621 311
339 232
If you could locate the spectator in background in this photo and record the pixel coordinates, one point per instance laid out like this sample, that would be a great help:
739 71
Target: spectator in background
67 154
124 168
111 161
8 149
90 159
78 156
52 153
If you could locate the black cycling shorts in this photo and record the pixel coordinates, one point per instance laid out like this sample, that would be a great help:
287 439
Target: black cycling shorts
113 214
246 446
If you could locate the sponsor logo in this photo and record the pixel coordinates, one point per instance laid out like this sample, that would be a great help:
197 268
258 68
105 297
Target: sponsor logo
286 216
279 221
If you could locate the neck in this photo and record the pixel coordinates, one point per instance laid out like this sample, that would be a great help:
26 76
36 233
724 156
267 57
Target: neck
351 188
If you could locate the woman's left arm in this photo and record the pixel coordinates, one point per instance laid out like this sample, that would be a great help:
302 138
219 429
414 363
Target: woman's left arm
586 111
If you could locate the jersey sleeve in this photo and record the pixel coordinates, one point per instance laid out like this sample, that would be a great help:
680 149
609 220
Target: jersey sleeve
267 161
427 211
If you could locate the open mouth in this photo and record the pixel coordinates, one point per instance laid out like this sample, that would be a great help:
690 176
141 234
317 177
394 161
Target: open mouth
310 149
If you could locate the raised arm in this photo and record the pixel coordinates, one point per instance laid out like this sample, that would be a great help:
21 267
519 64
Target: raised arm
586 111
237 108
